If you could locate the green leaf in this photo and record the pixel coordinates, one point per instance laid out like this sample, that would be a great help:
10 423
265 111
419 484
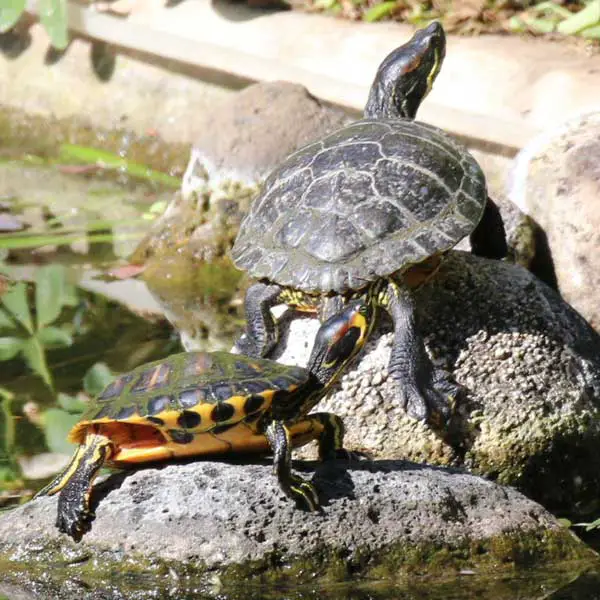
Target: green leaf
54 336
50 283
10 12
97 378
88 155
57 424
592 33
10 347
5 321
587 17
53 16
379 11
15 300
71 404
36 359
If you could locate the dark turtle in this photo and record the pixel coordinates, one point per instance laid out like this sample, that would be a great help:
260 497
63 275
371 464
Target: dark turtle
369 210
201 403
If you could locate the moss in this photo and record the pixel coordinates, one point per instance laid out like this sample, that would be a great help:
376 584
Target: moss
508 553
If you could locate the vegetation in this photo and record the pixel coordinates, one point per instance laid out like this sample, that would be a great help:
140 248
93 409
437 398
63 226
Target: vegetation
565 17
52 13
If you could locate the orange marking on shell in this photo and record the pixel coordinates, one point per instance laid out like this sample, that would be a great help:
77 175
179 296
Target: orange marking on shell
160 375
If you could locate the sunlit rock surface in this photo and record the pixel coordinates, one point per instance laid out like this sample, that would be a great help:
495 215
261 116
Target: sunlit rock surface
229 525
556 181
531 368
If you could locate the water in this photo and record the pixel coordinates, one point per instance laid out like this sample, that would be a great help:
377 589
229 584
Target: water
85 222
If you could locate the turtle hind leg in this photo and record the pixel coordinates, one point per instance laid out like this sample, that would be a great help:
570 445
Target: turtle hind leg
427 392
74 516
488 239
298 489
261 330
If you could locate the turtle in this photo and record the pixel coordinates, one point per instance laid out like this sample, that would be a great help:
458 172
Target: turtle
370 210
211 403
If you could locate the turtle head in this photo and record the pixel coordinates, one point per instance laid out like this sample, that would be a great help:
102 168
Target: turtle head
406 75
340 339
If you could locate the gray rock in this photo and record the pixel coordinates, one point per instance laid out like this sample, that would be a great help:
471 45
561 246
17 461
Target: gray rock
255 130
242 140
556 181
227 523
531 367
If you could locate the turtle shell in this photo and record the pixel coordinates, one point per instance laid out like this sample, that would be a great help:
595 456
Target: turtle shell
368 200
190 403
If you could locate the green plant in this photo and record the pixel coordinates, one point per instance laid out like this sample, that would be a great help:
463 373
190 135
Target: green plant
52 14
57 422
10 472
547 17
28 330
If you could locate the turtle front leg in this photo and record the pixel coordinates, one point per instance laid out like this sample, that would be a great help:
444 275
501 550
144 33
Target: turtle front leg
427 392
301 491
261 330
488 239
331 438
74 516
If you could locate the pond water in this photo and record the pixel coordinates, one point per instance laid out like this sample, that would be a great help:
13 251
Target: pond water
65 332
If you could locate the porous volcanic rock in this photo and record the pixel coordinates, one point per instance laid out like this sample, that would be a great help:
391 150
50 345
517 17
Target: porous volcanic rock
531 368
556 181
230 525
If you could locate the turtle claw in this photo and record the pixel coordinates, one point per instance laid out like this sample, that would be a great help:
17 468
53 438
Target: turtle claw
433 404
305 495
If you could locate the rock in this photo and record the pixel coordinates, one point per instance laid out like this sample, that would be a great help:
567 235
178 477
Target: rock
556 181
531 367
242 141
218 525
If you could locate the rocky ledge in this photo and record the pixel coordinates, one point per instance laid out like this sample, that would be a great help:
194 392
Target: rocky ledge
229 523
529 363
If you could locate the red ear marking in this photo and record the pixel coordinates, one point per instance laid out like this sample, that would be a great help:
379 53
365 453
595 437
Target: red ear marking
413 65
340 333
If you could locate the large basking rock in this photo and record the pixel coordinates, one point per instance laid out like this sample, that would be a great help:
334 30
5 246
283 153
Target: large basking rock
242 140
556 181
531 368
227 525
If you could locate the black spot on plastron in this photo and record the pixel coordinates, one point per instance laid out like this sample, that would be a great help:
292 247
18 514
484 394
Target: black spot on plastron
222 391
221 428
253 417
155 421
253 403
125 413
158 404
188 419
104 412
192 397
222 412
181 437
115 388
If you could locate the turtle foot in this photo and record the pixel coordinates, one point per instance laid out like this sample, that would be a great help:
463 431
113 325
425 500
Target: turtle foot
433 403
304 494
74 519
